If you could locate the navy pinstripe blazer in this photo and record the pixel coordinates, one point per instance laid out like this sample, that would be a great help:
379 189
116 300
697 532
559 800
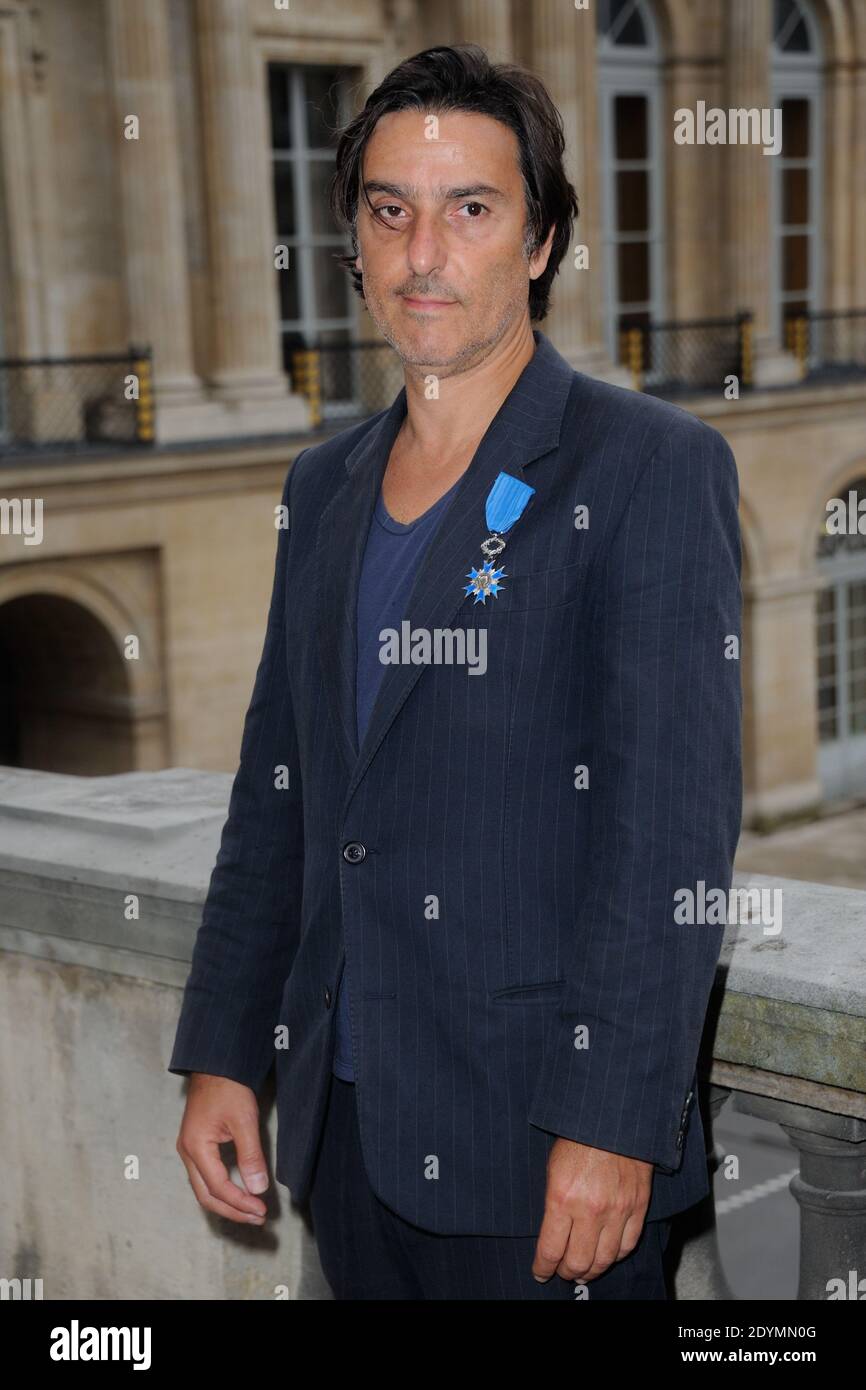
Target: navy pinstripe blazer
516 970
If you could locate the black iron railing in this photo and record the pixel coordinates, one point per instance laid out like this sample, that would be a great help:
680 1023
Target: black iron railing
104 400
346 381
76 403
830 345
677 358
354 380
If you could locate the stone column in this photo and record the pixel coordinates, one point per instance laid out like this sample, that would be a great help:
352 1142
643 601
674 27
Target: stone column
488 23
831 1192
696 285
563 54
843 174
32 314
854 185
151 196
747 203
748 31
245 365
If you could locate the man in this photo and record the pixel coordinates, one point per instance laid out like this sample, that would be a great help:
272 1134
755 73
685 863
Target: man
494 731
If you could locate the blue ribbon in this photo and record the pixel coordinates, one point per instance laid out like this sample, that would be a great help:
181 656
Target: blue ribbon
506 501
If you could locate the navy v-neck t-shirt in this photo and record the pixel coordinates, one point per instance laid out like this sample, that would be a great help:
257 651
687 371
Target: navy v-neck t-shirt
392 556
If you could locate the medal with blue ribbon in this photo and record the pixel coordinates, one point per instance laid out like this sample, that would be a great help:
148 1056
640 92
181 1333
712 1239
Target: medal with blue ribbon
506 502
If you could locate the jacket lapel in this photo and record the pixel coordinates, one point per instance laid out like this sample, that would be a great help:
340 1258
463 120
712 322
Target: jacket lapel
526 426
342 535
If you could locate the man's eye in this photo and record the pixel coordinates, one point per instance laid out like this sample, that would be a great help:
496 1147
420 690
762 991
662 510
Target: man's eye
389 208
480 207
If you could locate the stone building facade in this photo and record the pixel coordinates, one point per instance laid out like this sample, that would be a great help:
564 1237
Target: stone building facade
154 158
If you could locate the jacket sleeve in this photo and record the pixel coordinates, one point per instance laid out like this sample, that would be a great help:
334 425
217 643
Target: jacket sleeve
666 799
248 935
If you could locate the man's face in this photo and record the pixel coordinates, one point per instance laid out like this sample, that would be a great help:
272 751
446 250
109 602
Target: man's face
445 272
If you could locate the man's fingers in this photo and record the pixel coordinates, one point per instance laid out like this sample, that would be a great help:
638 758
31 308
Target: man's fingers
580 1251
615 1242
248 1148
631 1233
551 1243
206 1157
584 1262
210 1203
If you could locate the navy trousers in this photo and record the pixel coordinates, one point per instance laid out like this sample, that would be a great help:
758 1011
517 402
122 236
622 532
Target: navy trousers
367 1251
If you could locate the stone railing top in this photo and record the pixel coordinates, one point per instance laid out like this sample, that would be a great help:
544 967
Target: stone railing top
158 832
792 983
146 831
812 953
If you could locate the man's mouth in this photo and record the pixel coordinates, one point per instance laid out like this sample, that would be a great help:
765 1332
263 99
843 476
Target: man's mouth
423 302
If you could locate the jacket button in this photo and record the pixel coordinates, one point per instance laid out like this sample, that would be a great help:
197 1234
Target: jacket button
354 852
327 997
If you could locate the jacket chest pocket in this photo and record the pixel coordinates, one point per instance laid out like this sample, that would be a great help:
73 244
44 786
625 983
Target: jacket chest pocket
542 589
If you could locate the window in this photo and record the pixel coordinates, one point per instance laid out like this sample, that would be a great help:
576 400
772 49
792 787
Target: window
307 106
631 173
5 298
841 654
796 192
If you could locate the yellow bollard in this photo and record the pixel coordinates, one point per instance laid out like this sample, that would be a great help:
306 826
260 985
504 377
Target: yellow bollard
801 344
144 412
306 371
746 340
634 338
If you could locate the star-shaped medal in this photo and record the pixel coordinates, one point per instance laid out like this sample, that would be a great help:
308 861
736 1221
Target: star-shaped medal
484 581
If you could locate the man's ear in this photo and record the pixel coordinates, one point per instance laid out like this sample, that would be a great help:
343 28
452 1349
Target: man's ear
538 260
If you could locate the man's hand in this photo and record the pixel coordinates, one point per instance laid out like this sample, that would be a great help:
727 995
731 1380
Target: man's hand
219 1111
594 1210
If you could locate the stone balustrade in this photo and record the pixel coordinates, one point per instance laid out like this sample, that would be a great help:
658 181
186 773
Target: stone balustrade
101 886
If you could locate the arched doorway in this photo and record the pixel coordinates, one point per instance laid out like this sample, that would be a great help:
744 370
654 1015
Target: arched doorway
841 648
65 701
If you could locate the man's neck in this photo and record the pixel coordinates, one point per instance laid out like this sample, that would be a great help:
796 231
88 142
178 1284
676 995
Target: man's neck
455 421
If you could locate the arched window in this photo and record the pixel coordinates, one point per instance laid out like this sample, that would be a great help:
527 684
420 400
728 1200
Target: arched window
841 644
631 164
795 73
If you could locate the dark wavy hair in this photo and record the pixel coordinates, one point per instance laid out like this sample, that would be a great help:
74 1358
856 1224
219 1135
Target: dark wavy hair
462 78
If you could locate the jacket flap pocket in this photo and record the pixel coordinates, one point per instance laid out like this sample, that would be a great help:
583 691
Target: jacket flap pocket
540 993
